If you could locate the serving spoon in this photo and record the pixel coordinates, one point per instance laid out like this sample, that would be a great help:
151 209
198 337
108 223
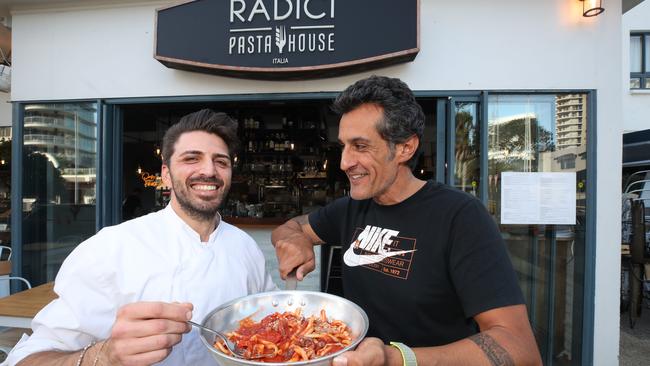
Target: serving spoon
292 282
232 347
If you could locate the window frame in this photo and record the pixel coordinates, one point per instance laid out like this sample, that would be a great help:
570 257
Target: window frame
644 75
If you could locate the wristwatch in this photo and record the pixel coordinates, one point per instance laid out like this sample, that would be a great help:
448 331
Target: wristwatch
408 356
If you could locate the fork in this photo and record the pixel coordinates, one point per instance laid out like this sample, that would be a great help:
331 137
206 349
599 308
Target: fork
232 347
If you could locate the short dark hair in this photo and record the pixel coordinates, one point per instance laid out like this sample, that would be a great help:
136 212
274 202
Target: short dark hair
403 115
205 120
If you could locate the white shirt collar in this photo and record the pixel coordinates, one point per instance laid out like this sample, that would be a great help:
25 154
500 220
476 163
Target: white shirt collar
172 217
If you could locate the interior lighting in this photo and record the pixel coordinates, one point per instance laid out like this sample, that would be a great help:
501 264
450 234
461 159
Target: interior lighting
139 170
591 8
157 151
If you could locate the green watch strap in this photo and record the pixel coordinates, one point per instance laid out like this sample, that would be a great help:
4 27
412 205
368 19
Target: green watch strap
408 356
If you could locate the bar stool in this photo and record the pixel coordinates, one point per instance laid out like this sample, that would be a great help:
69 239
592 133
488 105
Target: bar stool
337 268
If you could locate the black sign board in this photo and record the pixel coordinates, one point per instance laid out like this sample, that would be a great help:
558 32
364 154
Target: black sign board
283 39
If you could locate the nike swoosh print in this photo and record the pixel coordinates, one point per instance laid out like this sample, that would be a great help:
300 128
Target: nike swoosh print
352 259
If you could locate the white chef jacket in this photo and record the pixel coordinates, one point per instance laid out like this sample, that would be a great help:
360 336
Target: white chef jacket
157 257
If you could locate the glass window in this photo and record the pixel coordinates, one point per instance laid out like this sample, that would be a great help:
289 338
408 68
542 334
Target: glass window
544 133
646 47
467 162
635 54
426 164
640 60
59 183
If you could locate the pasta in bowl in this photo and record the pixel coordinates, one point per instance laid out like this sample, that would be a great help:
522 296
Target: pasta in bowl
288 327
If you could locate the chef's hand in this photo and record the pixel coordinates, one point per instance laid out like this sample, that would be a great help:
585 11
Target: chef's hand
145 332
370 352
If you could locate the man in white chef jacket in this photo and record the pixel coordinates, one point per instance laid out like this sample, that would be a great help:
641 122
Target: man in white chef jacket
125 293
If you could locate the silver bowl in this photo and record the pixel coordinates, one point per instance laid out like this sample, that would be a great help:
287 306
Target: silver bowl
227 316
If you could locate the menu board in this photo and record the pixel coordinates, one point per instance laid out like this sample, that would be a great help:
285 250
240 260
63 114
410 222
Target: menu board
538 198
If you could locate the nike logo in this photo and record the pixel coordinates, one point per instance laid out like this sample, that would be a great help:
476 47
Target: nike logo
353 259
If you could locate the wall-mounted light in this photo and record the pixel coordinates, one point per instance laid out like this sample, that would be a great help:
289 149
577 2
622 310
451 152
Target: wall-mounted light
157 151
591 8
139 170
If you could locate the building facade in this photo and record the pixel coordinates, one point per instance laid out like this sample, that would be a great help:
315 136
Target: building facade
506 86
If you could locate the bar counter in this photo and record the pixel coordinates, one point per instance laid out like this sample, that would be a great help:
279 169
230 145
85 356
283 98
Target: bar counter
252 222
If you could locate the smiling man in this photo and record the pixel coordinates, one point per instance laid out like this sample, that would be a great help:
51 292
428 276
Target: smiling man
424 260
126 293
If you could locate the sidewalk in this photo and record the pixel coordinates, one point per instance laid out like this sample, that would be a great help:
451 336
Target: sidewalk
635 343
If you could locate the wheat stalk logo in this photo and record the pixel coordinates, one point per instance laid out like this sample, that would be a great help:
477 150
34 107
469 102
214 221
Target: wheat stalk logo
280 37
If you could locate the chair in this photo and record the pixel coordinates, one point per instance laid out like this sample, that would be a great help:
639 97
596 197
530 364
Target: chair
9 336
332 273
5 253
24 280
5 271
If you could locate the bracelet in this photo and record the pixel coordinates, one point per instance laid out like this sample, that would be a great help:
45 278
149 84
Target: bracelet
99 353
83 352
408 356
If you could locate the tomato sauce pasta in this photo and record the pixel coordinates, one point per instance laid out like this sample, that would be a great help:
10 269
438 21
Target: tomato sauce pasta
289 337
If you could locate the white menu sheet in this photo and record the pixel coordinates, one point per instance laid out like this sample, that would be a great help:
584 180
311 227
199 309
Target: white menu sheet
538 198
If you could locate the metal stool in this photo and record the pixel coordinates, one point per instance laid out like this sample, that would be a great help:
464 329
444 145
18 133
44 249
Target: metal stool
329 266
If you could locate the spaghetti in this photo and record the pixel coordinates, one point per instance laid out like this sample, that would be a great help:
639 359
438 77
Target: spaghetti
289 337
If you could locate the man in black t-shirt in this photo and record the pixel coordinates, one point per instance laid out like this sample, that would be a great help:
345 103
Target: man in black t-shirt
425 261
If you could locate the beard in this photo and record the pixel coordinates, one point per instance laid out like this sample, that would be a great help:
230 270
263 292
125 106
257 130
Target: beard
196 207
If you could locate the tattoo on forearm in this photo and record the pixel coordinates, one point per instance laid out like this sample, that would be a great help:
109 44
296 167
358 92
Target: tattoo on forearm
497 355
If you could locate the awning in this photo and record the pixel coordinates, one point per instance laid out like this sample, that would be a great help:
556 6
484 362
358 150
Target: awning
636 148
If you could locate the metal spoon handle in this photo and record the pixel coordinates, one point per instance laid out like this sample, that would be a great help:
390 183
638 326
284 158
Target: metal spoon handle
205 328
291 282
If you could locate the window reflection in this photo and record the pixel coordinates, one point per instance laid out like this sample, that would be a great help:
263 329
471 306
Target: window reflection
544 133
467 163
59 182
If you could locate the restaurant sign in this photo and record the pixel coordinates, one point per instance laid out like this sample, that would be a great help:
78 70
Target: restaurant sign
283 39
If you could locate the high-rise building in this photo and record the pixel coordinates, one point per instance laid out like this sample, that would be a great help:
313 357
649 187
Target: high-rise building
570 119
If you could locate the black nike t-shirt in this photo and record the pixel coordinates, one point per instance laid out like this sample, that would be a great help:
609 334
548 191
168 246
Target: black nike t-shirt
422 268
